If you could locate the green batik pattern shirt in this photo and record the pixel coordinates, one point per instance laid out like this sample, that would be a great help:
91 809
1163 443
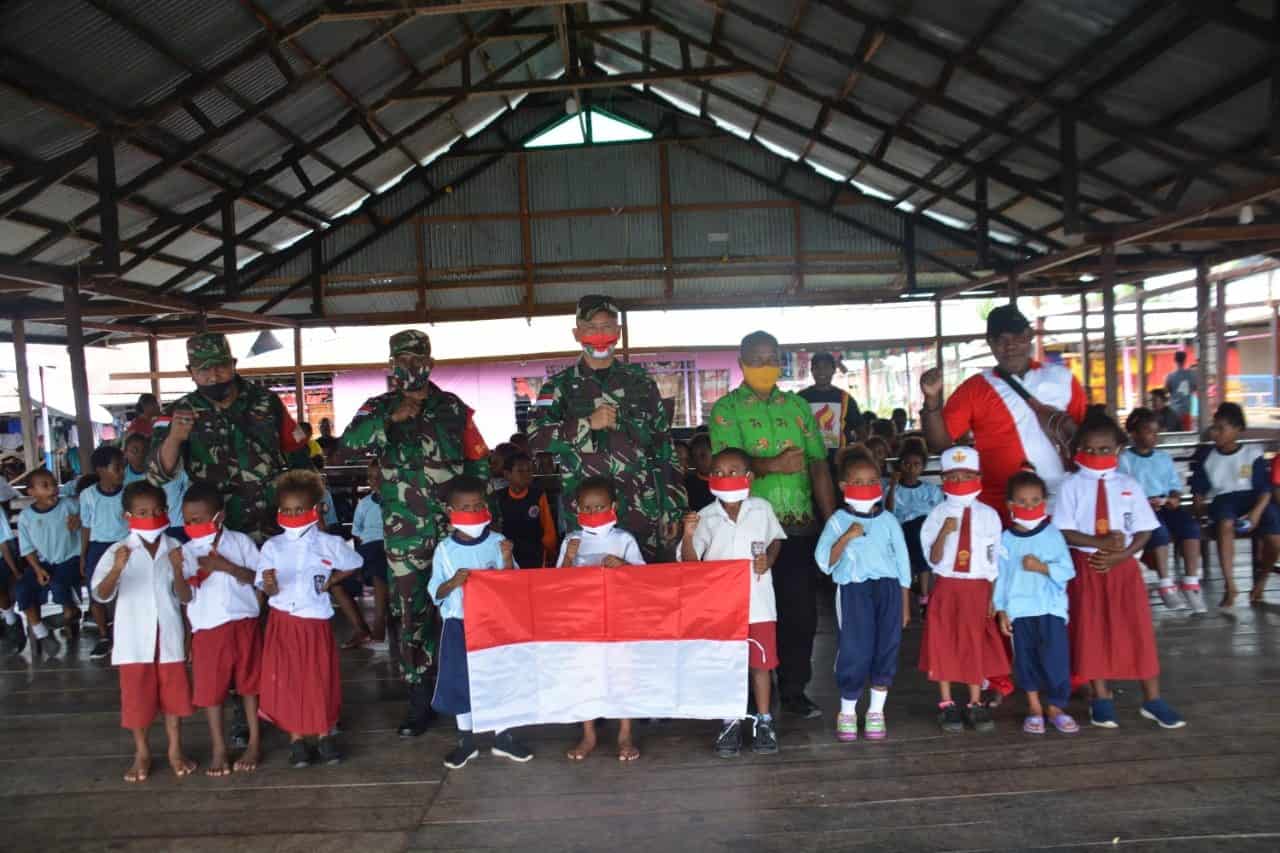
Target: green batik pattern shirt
417 457
765 428
638 455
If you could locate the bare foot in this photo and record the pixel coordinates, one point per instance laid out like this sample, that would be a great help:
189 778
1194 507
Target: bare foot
140 769
249 762
1228 599
1256 594
182 766
583 749
627 750
217 765
356 642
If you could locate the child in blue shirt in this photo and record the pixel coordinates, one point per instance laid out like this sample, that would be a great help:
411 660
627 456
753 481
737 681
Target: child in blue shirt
471 546
136 446
102 524
366 531
910 500
49 542
863 550
1154 471
1031 604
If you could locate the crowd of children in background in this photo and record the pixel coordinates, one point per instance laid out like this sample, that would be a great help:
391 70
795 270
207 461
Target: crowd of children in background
1058 599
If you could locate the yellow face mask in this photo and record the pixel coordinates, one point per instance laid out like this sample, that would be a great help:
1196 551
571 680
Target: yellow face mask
761 379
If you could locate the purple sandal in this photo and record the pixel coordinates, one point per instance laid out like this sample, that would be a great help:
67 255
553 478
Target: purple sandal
1065 724
1033 726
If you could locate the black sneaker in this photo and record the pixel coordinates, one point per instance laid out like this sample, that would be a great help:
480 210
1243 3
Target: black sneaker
17 637
462 753
101 649
978 718
299 754
327 751
729 742
802 706
951 719
765 740
505 745
419 716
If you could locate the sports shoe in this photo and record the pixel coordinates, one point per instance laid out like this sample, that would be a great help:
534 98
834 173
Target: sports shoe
873 728
1173 601
1102 713
729 741
978 718
1195 599
1159 711
846 727
299 754
764 739
419 716
101 649
506 746
802 706
950 719
462 753
327 751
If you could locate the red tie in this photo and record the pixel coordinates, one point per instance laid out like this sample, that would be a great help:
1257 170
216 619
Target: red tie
962 546
1101 515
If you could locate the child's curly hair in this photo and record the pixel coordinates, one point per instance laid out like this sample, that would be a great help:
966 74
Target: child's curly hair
301 481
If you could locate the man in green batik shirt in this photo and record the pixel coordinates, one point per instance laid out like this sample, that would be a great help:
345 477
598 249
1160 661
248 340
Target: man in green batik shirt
776 428
422 437
605 418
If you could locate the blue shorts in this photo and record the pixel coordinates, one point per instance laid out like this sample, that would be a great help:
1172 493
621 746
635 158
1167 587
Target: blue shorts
375 562
453 685
1233 505
96 550
27 592
915 550
1176 525
1042 657
67 581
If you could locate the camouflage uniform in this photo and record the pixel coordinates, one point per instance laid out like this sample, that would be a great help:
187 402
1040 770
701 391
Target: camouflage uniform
638 455
416 458
240 450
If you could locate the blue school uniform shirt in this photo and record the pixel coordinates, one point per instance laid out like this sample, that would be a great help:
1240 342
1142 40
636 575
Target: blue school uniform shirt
451 555
330 513
103 514
174 491
45 533
1153 471
912 502
880 552
6 532
1022 593
366 523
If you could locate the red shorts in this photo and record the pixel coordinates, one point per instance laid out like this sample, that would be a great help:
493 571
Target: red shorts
762 640
147 689
230 654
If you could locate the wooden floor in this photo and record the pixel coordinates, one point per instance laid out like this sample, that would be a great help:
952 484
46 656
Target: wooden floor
1214 785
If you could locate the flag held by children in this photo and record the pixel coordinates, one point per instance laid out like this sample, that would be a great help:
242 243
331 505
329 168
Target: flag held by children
573 644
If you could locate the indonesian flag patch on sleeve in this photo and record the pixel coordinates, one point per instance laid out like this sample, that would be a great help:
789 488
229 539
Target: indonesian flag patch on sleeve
546 397
473 446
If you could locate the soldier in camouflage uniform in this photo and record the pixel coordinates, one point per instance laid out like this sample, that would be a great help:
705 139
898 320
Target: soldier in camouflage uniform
230 433
604 418
422 437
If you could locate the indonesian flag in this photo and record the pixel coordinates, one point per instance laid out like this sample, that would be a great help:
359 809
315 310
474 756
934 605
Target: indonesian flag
573 644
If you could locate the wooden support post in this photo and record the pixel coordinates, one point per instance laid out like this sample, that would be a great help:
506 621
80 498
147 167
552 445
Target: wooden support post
1070 173
1084 347
108 213
982 232
1273 118
26 411
664 189
1039 338
299 380
626 337
909 249
420 249
317 276
526 232
866 377
1140 343
1013 287
79 376
230 267
798 246
1109 354
153 357
1202 342
1220 343
1275 355
937 335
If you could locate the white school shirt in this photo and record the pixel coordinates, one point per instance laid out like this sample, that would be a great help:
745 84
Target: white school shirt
1230 472
303 566
220 598
594 548
145 601
1127 505
984 540
719 537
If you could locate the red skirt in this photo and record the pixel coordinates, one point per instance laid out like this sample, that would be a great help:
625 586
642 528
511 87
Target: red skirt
961 641
1110 627
301 687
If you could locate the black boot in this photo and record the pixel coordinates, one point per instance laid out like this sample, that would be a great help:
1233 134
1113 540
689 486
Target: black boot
419 717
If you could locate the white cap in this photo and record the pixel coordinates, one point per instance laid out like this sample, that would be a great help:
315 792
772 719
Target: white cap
960 458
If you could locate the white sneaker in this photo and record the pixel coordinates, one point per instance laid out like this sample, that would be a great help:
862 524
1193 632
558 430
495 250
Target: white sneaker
1173 601
1195 599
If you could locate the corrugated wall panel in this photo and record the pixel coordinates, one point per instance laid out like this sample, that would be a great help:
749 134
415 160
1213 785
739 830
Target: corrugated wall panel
393 252
732 286
758 231
386 303
822 233
696 179
496 189
627 235
475 297
469 244
557 294
607 176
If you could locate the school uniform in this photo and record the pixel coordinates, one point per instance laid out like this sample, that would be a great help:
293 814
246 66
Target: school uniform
719 537
615 542
1037 606
44 532
175 489
300 690
1111 632
102 514
961 641
527 522
1155 472
453 685
870 575
366 529
149 648
911 506
1232 482
226 635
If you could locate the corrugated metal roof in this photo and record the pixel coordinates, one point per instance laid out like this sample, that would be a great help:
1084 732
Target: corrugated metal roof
627 235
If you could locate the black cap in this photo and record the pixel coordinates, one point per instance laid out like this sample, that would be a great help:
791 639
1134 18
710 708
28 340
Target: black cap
1006 318
593 303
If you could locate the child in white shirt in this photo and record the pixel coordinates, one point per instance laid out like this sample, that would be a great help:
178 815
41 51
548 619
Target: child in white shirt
737 526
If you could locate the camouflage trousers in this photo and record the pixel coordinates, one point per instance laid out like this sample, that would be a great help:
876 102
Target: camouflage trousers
408 571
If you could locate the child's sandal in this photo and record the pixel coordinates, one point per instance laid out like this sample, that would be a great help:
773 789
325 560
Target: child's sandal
1065 724
1033 725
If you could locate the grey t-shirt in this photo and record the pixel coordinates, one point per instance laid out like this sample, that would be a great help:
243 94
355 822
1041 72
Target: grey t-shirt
1181 384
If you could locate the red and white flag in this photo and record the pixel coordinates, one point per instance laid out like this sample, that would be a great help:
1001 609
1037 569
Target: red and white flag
573 644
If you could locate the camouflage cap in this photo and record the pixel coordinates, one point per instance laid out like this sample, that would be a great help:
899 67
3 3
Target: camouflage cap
208 349
593 303
410 342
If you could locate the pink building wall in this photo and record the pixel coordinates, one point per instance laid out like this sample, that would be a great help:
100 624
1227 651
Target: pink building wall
487 387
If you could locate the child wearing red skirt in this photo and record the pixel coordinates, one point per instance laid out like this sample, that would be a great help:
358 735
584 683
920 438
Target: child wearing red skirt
301 688
961 538
142 574
1106 519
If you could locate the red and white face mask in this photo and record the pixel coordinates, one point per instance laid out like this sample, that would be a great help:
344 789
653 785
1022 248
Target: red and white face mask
471 523
1029 516
598 523
863 498
201 531
149 529
963 492
297 525
598 344
731 490
1097 463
